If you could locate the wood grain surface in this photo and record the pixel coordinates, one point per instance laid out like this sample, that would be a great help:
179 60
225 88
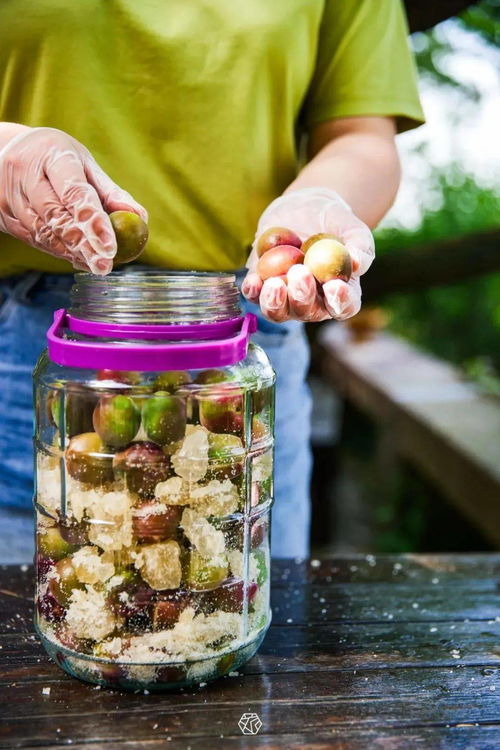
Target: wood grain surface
364 652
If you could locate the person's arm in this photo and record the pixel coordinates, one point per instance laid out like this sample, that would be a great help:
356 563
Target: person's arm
347 186
356 157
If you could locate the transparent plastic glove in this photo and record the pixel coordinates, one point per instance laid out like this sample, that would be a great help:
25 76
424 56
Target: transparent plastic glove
55 197
310 211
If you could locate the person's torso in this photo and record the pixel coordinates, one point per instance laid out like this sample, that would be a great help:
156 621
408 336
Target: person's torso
190 105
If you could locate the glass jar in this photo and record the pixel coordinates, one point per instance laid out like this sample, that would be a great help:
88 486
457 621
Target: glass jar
154 481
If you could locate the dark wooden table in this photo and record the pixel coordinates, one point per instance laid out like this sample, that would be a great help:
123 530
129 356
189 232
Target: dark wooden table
364 652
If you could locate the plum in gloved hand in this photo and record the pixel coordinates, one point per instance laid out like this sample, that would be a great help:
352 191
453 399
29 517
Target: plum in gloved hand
55 197
307 212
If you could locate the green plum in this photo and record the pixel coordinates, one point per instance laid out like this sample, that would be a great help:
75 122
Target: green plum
327 258
131 236
262 398
79 404
206 377
225 455
222 411
259 533
171 380
116 420
52 544
229 596
74 533
126 579
164 418
62 585
87 461
151 523
49 608
167 608
203 573
275 236
143 465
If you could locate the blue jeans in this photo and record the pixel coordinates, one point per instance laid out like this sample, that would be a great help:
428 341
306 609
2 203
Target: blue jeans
26 306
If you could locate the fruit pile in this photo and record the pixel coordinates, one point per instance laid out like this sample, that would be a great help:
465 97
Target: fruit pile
143 535
279 249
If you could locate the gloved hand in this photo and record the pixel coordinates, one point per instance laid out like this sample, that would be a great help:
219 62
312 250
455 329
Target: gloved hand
309 211
55 197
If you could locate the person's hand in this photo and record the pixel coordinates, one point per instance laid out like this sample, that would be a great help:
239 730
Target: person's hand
55 197
310 211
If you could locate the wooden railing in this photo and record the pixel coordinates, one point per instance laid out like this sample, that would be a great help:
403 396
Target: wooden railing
427 415
445 262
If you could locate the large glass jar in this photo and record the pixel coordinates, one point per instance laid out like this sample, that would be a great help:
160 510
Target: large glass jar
154 482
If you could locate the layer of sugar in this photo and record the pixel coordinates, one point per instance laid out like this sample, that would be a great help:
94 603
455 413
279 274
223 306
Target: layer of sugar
236 564
206 538
89 614
262 466
91 567
215 498
160 564
48 483
149 509
193 636
191 460
173 491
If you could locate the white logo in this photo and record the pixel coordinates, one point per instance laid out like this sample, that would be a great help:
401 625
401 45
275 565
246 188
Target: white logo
249 723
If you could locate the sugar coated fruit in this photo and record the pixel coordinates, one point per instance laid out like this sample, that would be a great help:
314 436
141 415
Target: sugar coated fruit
226 455
328 259
278 261
204 573
87 459
53 545
64 581
131 236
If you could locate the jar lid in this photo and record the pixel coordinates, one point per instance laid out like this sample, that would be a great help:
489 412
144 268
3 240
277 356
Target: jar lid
175 347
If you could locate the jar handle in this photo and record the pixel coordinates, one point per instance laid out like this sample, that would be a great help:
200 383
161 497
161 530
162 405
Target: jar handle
150 357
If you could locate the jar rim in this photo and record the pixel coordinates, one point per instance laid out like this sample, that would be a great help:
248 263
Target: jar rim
152 295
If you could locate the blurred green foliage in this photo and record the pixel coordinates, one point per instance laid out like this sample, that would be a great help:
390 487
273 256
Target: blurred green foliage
484 19
460 322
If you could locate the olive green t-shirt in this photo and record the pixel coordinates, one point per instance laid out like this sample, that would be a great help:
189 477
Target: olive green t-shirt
194 106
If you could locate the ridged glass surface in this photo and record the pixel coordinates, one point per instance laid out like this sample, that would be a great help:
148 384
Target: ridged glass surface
151 296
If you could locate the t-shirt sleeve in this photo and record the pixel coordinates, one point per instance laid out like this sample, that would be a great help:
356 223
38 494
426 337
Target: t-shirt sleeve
364 65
